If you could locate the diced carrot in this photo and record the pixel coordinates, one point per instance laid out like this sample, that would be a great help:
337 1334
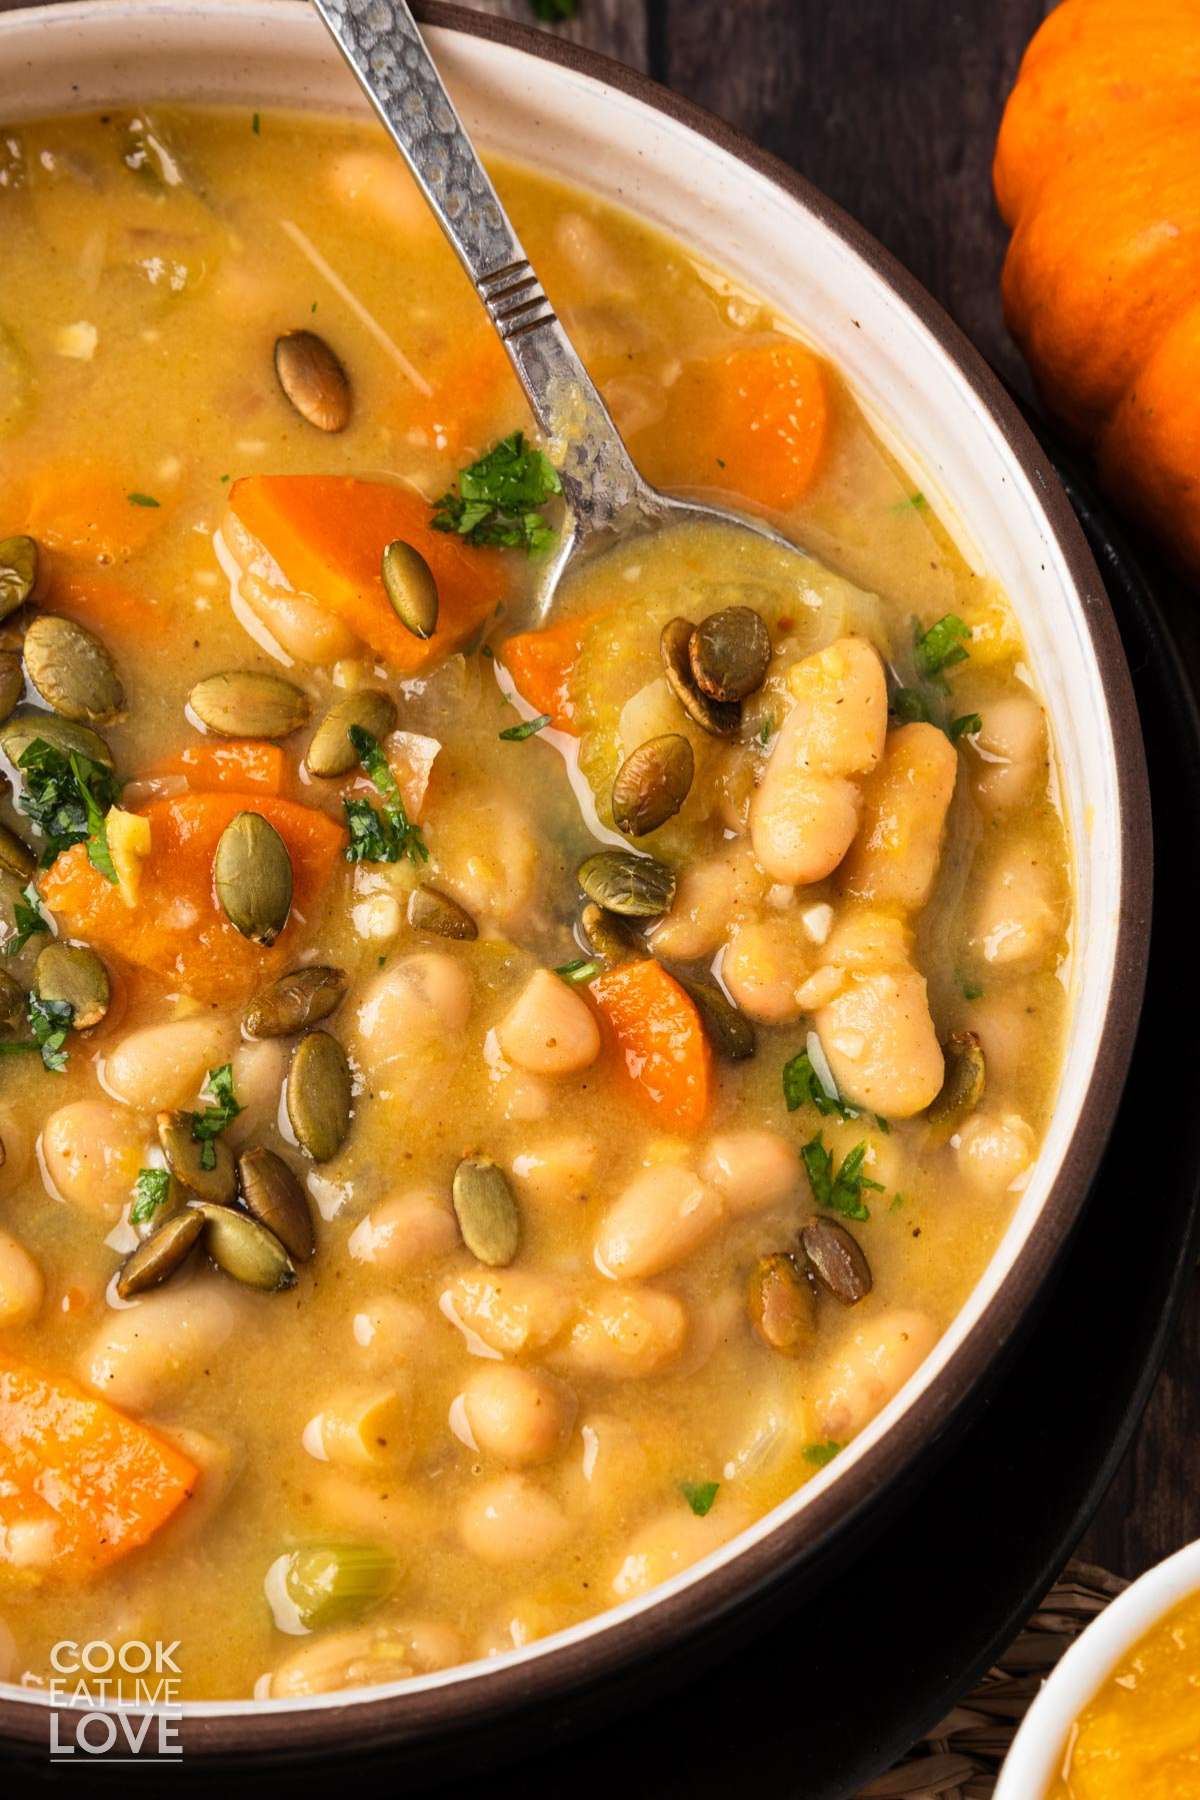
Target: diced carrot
542 663
75 506
661 1040
468 381
754 420
81 1485
178 927
327 534
248 767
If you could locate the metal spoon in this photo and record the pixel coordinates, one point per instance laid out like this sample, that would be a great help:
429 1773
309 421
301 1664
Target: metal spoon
607 498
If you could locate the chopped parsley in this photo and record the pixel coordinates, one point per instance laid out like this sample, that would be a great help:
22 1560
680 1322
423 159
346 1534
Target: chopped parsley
910 706
256 124
940 648
577 972
766 732
838 1190
898 1200
209 1124
67 798
970 989
499 499
150 1191
700 1495
49 1021
141 500
516 734
820 1454
911 503
554 11
802 1086
28 918
385 836
966 725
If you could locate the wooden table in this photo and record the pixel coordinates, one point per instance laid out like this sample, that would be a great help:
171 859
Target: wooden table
891 108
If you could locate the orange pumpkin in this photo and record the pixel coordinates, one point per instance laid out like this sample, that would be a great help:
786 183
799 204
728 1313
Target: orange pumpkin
1098 174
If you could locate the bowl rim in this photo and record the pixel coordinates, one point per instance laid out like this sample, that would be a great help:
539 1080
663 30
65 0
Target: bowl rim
1034 1756
549 1667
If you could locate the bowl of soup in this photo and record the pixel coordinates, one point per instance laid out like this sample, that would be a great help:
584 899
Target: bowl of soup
1120 1714
518 1133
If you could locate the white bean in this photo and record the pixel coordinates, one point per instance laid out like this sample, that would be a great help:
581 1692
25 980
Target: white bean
420 1001
259 1070
365 1656
550 1029
165 1065
405 1232
160 1344
870 1370
753 1169
510 1519
894 859
624 1334
21 1285
388 1330
1016 915
709 895
518 1415
91 1152
765 965
664 1214
805 813
363 1428
994 1153
876 1030
1011 752
557 1173
488 855
512 1310
612 1465
673 1541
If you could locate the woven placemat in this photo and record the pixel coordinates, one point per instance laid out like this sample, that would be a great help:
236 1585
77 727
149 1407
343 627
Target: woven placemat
960 1758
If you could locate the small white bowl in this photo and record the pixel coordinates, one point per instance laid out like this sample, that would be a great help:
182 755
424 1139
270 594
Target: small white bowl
1036 1755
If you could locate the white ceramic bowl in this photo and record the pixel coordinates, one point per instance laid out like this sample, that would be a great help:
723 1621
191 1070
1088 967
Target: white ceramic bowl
1037 1750
929 395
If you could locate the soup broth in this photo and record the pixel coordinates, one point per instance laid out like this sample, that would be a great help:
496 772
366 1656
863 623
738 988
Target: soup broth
566 1212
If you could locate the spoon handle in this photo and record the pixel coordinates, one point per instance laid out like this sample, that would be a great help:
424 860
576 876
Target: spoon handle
380 41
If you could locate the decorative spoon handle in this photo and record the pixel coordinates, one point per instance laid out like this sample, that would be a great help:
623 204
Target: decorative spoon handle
380 41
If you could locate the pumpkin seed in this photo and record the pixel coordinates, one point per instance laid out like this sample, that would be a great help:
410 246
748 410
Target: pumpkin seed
185 1159
18 572
962 1088
12 1001
636 887
272 1195
157 1258
729 654
330 1583
410 586
652 784
729 1031
16 856
245 1249
782 1304
486 1210
12 681
252 872
298 999
73 973
313 380
319 1095
718 719
72 670
27 726
431 910
249 703
608 936
330 751
836 1260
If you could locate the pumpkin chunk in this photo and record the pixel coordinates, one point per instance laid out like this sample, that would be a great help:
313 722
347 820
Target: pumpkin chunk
661 1041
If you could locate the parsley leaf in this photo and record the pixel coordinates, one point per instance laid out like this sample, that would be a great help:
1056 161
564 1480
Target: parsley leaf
971 990
820 1454
802 1086
910 503
50 1021
966 725
942 647
141 500
583 969
28 918
838 1190
910 706
376 836
516 734
67 798
210 1123
552 11
150 1191
699 1495
499 498
256 124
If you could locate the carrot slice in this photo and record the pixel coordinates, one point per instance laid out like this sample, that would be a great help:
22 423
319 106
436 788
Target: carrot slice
77 507
245 768
755 420
81 1485
327 535
661 1040
542 663
178 927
